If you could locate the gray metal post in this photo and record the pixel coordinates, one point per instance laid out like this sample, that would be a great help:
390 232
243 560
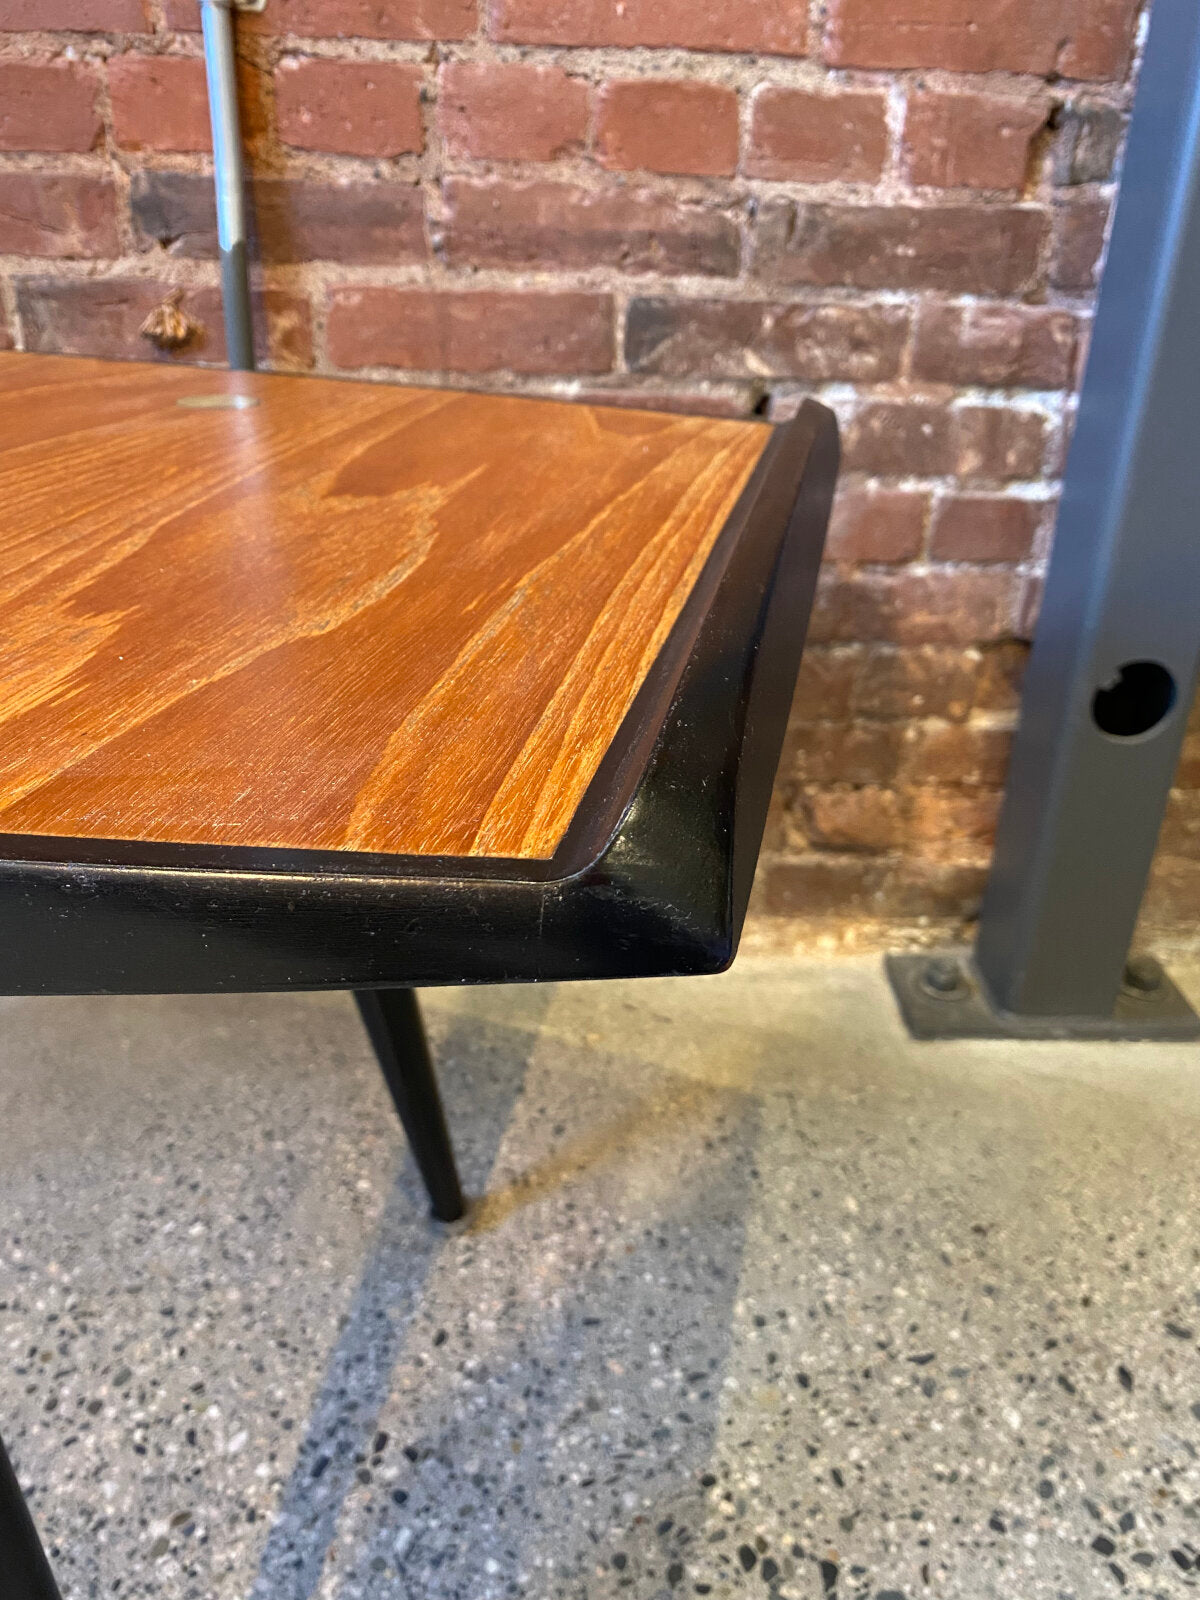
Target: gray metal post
217 21
1117 648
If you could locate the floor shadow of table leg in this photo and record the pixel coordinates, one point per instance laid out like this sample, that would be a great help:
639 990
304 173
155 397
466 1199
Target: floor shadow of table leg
342 1422
594 1368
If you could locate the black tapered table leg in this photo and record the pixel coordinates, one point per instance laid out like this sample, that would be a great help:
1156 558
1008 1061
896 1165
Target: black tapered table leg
24 1571
393 1020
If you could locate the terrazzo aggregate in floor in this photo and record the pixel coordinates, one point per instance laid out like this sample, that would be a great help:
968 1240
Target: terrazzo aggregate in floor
762 1299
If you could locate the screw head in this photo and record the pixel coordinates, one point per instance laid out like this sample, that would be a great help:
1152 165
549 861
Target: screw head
943 978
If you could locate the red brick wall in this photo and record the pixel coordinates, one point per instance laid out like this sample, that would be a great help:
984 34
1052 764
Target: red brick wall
898 205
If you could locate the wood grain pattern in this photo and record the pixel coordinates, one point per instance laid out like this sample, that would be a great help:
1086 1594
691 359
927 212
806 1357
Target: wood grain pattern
350 618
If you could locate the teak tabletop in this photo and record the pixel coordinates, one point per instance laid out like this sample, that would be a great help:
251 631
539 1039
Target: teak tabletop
260 631
347 618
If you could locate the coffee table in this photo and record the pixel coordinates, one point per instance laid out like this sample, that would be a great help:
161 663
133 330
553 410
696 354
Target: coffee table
308 684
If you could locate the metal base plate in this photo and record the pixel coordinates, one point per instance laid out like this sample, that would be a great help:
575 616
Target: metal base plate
963 1009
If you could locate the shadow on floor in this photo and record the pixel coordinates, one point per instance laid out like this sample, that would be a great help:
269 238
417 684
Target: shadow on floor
764 1297
343 1425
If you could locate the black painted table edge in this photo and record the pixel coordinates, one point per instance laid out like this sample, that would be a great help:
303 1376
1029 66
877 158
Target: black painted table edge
652 877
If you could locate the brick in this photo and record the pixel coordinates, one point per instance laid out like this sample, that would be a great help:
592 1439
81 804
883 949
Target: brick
470 331
294 219
984 527
80 16
1001 671
1187 774
1180 833
924 681
993 250
781 405
970 754
493 111
159 103
823 886
1001 444
1088 144
1078 245
103 317
832 752
758 339
868 819
775 27
928 890
346 19
817 138
971 141
175 210
783 834
1057 461
943 821
256 104
654 125
62 216
825 686
895 439
960 607
1028 608
1101 42
899 440
95 317
48 106
716 401
283 333
784 830
1011 347
498 222
1070 38
350 108
1173 895
876 525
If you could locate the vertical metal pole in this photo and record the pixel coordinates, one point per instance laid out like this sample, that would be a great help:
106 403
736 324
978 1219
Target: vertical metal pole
217 21
1115 658
24 1571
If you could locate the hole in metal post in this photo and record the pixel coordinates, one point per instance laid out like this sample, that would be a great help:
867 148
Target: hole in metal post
1136 700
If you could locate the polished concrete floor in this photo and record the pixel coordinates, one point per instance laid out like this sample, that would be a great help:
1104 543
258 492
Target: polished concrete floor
762 1298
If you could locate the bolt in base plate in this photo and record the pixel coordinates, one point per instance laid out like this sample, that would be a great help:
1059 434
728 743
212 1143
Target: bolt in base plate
941 996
